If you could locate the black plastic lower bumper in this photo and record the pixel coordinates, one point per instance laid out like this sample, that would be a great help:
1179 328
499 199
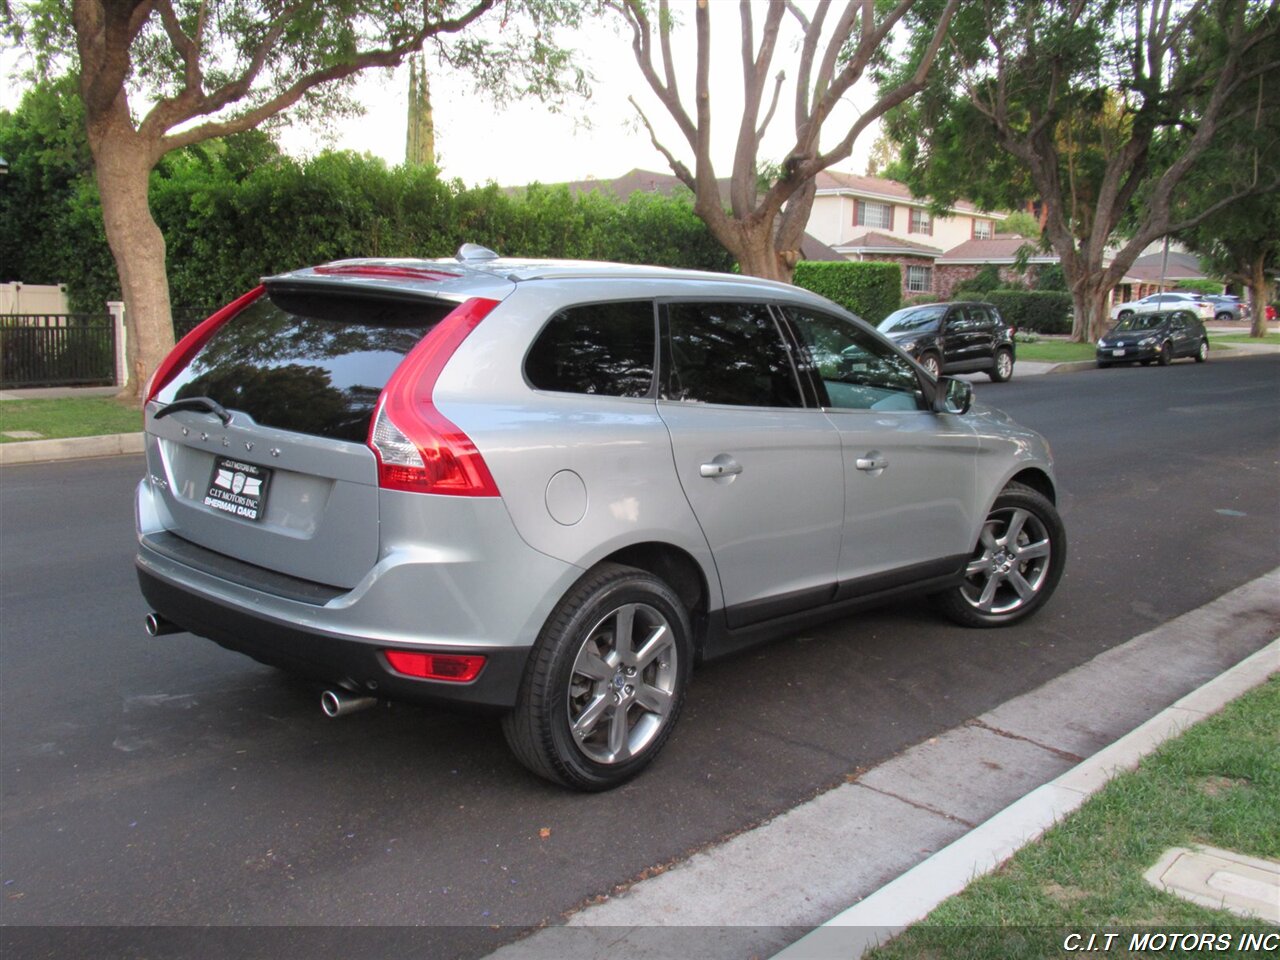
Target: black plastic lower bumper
345 662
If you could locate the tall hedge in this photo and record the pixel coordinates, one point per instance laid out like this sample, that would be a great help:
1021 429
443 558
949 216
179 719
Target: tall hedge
871 290
1035 311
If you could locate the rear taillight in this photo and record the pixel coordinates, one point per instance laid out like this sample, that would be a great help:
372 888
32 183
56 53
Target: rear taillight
189 345
455 667
418 449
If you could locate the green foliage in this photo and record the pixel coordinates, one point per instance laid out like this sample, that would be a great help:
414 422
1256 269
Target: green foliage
870 290
1199 286
1040 311
984 281
1021 223
1049 276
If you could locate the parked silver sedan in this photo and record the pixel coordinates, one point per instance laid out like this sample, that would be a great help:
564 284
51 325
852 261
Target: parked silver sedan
549 488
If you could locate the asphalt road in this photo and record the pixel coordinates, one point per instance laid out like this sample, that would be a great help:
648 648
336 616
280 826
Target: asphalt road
169 782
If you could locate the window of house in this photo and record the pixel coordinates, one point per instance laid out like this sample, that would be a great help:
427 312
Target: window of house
919 279
871 214
606 349
983 230
921 222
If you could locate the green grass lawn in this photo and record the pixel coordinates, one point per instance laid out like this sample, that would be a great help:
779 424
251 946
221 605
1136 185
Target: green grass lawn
1218 784
68 417
1055 351
1243 338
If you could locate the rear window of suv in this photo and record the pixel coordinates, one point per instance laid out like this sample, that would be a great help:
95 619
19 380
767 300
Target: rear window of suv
312 362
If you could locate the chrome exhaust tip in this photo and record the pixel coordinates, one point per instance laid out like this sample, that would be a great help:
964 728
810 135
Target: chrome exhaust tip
158 626
340 703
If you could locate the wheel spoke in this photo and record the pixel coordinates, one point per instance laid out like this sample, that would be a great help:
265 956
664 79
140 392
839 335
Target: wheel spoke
988 539
591 665
658 641
1033 551
589 717
624 623
977 567
1025 590
618 730
653 699
1015 527
989 594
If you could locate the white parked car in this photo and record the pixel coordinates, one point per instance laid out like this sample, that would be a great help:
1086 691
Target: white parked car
1164 301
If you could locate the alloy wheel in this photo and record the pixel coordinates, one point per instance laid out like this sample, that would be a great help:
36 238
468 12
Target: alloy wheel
1010 564
623 683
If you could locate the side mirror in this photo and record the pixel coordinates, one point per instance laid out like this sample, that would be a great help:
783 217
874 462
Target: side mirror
952 396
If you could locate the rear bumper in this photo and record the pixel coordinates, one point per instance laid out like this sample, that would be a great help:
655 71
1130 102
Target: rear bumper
353 663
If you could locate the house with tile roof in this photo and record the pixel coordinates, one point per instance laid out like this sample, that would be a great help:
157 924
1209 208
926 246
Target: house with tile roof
871 218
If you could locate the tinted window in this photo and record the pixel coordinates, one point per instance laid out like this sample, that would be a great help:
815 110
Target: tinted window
850 368
727 353
311 363
600 348
912 319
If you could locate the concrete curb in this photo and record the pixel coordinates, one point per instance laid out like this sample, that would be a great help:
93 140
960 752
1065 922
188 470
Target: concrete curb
70 448
915 894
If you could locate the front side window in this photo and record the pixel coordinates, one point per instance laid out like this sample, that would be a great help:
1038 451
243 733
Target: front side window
850 368
921 222
871 214
919 279
603 349
730 353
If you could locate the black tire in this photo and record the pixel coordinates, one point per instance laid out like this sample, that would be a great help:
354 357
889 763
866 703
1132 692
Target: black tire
1166 354
1124 314
1003 585
620 732
1225 316
932 364
1202 351
1001 366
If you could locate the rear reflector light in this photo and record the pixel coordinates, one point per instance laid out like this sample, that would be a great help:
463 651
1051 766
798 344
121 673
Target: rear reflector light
189 345
454 667
418 449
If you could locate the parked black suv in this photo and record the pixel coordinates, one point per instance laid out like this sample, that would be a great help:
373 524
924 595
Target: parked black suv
954 338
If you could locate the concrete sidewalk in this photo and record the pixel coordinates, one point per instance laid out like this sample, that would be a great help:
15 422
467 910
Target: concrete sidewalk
901 837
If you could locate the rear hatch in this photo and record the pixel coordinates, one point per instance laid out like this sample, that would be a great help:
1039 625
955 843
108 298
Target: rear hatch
281 476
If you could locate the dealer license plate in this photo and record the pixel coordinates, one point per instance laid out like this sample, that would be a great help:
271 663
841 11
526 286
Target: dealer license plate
1117 353
238 489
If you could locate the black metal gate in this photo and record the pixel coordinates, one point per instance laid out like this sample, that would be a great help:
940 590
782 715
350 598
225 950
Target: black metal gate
57 350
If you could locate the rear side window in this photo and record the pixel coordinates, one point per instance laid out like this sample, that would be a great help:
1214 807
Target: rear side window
605 349
730 353
310 362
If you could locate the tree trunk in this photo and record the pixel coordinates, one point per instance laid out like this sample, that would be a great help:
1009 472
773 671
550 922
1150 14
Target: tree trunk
1258 296
122 162
752 244
1089 298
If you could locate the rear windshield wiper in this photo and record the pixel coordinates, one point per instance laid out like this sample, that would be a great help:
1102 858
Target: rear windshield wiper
204 404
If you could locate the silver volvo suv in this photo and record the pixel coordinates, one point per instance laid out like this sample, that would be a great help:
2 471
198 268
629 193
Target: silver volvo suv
550 488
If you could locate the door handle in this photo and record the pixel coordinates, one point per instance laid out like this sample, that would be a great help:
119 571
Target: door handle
871 463
720 468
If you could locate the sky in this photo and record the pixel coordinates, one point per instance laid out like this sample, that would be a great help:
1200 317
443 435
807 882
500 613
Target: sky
596 138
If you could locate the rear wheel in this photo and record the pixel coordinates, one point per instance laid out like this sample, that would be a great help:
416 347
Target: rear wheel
1015 565
605 681
1224 316
1002 367
1124 315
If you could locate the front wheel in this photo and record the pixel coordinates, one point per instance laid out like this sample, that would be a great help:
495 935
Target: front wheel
1166 354
932 365
1016 564
1202 351
1002 369
605 681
